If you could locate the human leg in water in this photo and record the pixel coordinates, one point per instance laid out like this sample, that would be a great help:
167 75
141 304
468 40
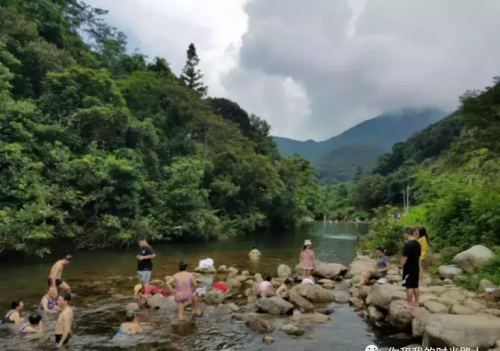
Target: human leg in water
195 306
180 311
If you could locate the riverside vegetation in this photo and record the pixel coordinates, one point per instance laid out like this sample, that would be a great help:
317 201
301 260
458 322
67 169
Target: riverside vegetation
98 145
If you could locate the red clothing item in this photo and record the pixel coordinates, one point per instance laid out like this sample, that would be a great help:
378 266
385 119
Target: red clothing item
150 289
220 286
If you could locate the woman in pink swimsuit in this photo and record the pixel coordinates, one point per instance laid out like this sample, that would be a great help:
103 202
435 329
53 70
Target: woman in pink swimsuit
307 259
185 285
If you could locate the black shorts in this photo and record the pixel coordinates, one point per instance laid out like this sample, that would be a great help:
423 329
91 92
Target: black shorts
410 279
58 282
59 337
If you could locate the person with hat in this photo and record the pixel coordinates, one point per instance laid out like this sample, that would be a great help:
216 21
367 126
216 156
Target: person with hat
145 292
307 259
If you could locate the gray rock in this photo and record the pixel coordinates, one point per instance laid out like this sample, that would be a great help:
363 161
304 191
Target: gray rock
401 317
341 296
246 273
382 295
312 318
436 307
215 297
313 293
473 258
133 307
446 272
474 305
275 305
223 310
293 329
222 269
162 303
284 271
419 323
357 303
486 284
268 340
457 309
374 314
474 331
233 285
258 324
301 303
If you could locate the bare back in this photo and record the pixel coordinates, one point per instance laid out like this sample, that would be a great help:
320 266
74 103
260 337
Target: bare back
56 271
184 281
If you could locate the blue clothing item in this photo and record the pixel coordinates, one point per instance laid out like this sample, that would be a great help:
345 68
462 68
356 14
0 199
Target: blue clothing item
121 332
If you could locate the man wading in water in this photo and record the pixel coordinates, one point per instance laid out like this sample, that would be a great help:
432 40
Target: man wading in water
65 320
145 262
56 273
410 263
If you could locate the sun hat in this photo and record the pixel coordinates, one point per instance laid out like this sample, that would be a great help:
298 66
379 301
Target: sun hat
308 242
137 288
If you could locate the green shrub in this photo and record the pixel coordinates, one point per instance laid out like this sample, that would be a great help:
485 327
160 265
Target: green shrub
388 232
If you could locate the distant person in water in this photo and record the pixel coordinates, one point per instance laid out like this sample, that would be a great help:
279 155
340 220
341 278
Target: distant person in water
65 321
14 315
145 262
382 265
264 288
49 301
185 286
130 326
254 253
35 325
283 290
307 259
56 274
145 292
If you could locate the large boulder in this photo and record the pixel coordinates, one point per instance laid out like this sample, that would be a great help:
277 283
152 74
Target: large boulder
312 318
474 305
475 331
382 295
401 317
341 296
361 264
473 258
284 271
458 309
313 293
301 303
274 305
357 303
222 269
419 323
485 284
293 329
436 307
374 314
446 272
328 270
215 297
223 310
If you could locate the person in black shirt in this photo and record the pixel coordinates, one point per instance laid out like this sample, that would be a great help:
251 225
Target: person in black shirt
145 262
410 263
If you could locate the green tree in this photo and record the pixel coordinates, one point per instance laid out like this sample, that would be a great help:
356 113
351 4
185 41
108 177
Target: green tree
191 75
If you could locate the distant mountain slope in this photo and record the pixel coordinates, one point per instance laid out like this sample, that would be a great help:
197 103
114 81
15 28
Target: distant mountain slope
383 131
342 165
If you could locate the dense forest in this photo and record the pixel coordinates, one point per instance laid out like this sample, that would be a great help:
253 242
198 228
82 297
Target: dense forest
452 168
98 147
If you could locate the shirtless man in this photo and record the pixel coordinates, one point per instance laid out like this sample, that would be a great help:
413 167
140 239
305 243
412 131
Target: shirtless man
65 320
56 273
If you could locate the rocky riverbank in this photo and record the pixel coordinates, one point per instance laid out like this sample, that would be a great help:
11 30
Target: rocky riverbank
448 315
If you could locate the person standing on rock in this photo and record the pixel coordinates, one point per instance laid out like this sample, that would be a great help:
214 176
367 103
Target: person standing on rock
382 265
410 264
423 240
307 259
145 262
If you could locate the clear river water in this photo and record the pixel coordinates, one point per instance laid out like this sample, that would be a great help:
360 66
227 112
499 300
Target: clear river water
103 283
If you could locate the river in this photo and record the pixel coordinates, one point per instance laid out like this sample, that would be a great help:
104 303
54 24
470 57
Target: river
99 280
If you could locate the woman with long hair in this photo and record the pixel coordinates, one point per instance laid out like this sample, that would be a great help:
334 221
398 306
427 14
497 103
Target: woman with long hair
423 240
307 259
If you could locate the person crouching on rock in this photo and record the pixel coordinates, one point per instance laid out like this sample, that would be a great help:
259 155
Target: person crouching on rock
382 265
307 259
185 286
283 291
264 288
145 292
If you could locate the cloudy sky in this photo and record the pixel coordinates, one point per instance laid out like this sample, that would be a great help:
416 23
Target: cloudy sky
313 68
